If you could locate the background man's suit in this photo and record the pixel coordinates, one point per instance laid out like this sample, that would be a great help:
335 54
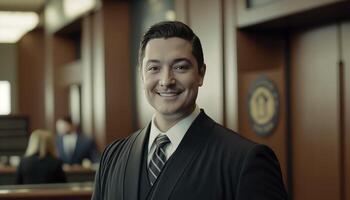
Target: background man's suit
84 148
211 162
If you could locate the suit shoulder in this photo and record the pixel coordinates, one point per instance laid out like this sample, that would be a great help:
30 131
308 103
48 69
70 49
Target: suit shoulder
229 137
118 147
222 135
239 149
236 144
117 144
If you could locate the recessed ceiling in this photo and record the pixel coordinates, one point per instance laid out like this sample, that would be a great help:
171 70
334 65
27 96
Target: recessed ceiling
22 5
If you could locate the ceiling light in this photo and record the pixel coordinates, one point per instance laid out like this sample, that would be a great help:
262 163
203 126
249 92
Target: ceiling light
74 8
13 25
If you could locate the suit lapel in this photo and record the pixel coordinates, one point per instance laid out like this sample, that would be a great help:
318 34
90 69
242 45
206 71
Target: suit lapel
191 145
76 148
133 166
62 153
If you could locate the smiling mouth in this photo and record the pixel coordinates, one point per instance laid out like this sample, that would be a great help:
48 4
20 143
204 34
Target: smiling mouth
168 94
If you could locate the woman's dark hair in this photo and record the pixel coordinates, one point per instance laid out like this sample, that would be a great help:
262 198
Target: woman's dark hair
168 29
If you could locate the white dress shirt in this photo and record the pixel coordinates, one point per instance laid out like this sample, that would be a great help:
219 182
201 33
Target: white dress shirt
69 142
175 134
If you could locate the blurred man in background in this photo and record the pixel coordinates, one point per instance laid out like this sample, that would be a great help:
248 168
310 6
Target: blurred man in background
73 147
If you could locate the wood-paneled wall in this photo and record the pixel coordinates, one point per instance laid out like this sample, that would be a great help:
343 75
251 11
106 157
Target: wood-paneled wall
92 51
263 54
31 76
315 114
345 49
314 84
118 70
65 71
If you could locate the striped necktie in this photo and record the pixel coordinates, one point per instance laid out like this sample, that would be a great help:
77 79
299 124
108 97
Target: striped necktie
158 160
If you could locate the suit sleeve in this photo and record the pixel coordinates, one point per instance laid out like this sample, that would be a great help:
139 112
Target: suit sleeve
260 177
99 176
97 189
97 192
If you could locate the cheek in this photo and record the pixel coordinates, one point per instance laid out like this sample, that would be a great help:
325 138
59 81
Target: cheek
149 83
191 82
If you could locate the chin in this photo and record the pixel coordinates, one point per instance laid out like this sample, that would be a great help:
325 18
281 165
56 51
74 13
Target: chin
167 111
173 111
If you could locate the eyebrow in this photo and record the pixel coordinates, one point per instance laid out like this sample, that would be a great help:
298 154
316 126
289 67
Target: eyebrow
181 60
172 62
152 61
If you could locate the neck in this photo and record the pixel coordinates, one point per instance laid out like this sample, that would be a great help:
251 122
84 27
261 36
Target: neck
165 122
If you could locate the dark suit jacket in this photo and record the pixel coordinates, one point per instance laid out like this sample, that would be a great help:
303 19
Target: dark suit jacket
211 162
84 148
33 170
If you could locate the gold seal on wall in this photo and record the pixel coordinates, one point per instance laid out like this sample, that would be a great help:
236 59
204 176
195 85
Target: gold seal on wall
263 105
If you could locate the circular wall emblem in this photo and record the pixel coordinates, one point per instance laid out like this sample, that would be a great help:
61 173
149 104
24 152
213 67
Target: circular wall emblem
263 106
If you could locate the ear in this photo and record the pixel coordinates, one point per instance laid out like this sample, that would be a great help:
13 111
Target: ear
202 71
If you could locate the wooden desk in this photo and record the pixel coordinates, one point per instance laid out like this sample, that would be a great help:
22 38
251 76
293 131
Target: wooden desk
67 191
74 174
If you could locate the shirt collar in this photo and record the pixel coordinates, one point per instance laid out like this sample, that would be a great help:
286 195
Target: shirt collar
175 133
73 135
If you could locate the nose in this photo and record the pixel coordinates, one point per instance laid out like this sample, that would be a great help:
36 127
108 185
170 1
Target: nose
167 78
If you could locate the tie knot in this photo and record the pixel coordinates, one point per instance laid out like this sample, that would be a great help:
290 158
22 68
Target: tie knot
162 140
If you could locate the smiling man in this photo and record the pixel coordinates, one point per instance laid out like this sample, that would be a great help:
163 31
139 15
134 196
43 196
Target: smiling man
183 153
171 78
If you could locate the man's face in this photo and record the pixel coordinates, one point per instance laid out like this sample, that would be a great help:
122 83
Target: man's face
63 127
170 76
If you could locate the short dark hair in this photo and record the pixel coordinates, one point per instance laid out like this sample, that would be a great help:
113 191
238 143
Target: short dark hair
67 119
168 29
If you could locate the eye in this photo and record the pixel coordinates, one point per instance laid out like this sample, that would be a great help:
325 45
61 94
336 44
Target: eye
182 67
153 68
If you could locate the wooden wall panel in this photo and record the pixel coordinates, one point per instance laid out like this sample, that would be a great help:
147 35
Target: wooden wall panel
61 69
262 54
345 28
64 73
101 64
118 78
31 78
315 116
259 51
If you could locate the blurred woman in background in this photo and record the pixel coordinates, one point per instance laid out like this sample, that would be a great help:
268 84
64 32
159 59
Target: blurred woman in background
40 163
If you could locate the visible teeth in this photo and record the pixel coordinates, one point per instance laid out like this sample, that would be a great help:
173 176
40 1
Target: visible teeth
167 94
